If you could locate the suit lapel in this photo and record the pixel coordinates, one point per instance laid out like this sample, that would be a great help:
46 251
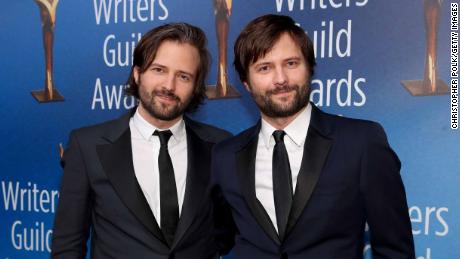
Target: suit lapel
315 152
198 159
245 162
116 159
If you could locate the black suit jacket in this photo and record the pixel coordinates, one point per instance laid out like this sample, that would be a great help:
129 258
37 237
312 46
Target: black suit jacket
349 175
100 197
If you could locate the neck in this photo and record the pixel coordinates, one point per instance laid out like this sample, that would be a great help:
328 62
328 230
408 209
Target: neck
157 123
280 123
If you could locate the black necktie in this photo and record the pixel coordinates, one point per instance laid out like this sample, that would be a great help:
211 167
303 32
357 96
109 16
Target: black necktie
168 192
282 182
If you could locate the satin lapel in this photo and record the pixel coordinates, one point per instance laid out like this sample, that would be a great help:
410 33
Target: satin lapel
245 167
116 159
315 153
198 169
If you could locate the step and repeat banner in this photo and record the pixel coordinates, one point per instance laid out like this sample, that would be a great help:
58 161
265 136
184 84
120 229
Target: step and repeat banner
64 65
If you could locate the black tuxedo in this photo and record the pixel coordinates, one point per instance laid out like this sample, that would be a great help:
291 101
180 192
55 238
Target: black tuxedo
348 175
101 198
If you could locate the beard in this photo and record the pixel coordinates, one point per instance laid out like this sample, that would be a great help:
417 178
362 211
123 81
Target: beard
283 108
162 111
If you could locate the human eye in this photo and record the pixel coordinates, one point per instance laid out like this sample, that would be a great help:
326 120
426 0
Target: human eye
292 63
263 68
158 70
185 77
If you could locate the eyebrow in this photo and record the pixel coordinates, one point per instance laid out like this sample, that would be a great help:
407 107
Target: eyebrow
293 58
286 59
181 71
187 73
261 64
157 65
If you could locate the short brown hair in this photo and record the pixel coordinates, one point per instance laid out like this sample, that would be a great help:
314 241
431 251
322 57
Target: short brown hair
147 48
259 36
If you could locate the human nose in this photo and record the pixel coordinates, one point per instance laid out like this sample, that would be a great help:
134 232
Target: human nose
280 77
170 83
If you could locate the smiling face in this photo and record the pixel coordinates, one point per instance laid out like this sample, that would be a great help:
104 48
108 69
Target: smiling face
279 81
167 86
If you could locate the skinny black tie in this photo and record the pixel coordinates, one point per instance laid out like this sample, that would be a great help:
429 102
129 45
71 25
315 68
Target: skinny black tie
168 192
282 182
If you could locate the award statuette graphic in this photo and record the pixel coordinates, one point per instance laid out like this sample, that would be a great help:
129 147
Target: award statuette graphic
48 18
222 89
61 155
431 84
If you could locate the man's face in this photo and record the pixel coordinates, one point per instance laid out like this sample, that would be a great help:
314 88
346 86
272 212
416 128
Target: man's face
166 87
279 81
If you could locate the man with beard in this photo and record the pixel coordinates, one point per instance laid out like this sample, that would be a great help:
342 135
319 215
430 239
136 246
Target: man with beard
302 183
138 185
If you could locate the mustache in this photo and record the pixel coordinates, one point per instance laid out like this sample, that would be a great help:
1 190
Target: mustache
283 88
165 93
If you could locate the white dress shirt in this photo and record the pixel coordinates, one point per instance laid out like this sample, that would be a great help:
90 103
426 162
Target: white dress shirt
294 140
146 149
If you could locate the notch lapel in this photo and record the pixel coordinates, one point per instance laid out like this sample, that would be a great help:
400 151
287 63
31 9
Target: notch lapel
198 170
116 159
315 153
245 168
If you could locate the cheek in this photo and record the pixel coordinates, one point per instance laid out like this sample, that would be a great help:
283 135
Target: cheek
258 84
185 90
144 92
299 76
149 80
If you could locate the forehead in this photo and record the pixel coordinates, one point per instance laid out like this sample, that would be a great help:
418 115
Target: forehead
284 47
177 55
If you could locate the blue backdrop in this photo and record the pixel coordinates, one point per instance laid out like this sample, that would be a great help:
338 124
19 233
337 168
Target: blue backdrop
364 49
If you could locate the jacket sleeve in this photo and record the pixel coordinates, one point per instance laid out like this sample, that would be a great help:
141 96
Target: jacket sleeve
385 199
73 217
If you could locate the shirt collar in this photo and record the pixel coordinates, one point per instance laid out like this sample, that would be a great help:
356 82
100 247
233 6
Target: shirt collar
296 130
146 129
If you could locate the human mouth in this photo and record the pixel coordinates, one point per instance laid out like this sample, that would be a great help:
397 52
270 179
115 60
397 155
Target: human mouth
281 92
166 96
